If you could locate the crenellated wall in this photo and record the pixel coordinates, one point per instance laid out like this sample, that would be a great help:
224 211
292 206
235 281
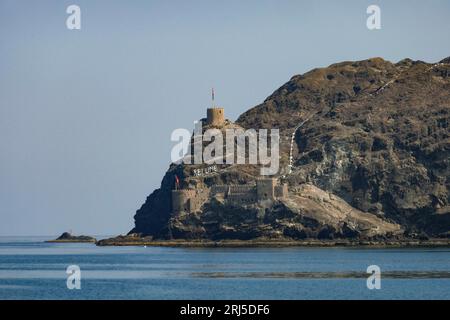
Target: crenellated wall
192 200
242 198
232 189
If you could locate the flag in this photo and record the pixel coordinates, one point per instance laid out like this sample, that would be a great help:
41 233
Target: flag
212 94
177 182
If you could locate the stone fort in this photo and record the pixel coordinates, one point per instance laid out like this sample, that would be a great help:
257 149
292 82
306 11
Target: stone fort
265 189
215 116
191 200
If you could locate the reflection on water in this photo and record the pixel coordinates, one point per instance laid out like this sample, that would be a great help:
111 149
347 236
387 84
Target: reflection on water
326 275
31 269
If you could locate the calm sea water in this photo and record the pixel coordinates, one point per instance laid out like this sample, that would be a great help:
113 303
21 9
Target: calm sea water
31 269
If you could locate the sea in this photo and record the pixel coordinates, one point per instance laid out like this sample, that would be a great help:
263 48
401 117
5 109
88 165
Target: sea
33 269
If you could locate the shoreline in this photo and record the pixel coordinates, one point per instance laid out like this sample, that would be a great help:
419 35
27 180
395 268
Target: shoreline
70 241
434 243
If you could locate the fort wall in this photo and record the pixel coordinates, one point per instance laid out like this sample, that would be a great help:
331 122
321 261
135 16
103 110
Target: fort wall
188 200
281 191
242 198
192 200
266 188
232 189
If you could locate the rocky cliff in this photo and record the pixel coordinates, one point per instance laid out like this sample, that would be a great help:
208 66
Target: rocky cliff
370 159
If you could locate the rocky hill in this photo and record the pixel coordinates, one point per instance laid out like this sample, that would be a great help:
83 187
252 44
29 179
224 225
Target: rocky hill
68 237
370 159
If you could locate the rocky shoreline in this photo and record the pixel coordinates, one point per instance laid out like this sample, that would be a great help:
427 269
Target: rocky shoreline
273 243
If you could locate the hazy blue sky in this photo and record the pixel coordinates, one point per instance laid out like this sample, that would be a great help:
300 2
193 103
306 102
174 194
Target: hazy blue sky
86 116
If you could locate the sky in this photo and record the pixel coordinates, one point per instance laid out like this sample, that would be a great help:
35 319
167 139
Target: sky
86 115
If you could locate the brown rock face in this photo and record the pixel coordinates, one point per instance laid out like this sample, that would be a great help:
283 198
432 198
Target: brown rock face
308 212
376 135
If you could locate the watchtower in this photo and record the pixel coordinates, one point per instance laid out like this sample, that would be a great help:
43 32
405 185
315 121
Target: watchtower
181 200
265 188
188 200
215 116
